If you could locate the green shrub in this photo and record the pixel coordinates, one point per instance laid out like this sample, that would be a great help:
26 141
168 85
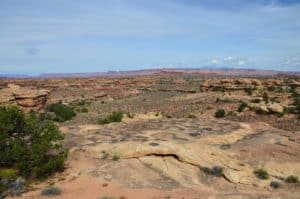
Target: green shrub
46 116
192 116
220 113
289 109
281 114
168 116
292 179
31 146
275 184
261 174
249 90
242 106
115 157
216 171
256 100
271 88
266 97
115 116
51 191
62 112
9 174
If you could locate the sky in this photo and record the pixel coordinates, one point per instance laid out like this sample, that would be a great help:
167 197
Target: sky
70 36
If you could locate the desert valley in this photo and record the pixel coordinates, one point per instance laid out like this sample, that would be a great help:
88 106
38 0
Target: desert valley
167 134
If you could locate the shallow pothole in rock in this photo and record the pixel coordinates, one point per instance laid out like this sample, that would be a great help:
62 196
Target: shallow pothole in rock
153 144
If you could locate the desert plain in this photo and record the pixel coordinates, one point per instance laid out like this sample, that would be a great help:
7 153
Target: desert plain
182 135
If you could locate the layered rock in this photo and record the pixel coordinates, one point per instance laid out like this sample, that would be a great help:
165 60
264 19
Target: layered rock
27 98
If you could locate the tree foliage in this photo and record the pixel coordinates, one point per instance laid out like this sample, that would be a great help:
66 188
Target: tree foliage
62 112
28 144
115 116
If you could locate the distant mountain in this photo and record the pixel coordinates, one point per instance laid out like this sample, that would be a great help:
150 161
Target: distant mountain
9 76
223 71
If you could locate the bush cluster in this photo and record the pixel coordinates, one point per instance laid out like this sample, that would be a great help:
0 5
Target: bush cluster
216 171
31 146
115 116
242 106
62 112
265 97
249 90
292 179
220 113
261 174
256 100
275 184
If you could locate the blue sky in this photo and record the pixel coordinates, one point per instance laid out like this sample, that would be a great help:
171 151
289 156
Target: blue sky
57 36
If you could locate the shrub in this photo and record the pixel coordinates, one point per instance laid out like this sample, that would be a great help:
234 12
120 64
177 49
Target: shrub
289 109
31 146
220 113
242 106
256 100
115 157
275 184
51 191
62 112
249 90
168 116
192 116
271 88
84 110
47 116
9 174
115 116
261 174
216 170
292 179
266 97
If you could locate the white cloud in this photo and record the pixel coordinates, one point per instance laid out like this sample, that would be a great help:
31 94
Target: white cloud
228 58
214 61
241 62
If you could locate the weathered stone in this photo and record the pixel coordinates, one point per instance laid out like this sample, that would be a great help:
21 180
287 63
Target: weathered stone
26 98
275 108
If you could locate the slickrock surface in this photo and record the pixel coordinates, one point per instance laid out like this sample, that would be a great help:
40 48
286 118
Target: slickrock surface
167 155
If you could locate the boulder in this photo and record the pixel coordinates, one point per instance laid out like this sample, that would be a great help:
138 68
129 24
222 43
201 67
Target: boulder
262 108
275 108
31 99
27 98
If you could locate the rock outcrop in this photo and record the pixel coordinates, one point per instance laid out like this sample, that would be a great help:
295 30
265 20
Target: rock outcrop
27 98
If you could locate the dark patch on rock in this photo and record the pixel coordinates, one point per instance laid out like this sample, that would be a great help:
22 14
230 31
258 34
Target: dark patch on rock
194 134
153 144
225 146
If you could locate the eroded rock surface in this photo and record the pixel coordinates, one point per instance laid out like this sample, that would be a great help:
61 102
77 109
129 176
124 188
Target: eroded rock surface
26 98
147 151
